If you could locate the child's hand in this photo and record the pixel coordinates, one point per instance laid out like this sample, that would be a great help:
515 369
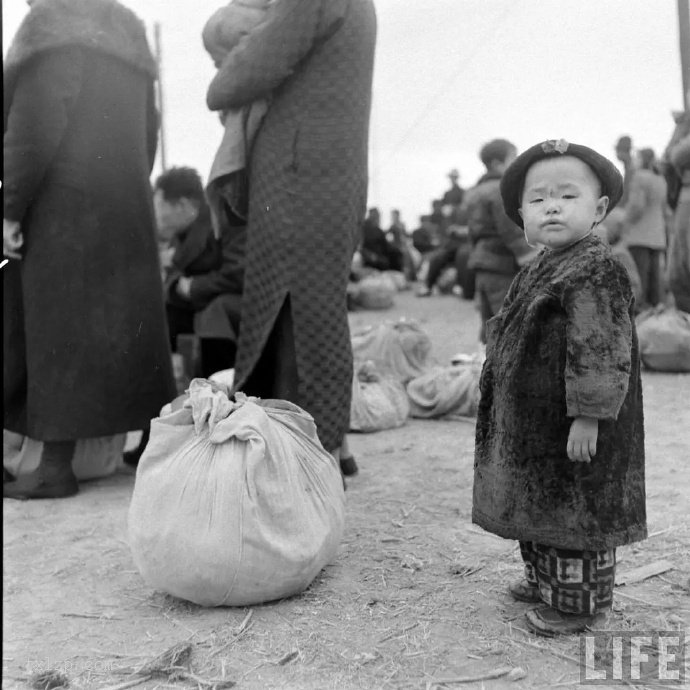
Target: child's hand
582 440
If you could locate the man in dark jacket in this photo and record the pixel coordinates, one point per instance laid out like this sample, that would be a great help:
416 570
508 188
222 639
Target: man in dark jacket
85 347
202 275
499 247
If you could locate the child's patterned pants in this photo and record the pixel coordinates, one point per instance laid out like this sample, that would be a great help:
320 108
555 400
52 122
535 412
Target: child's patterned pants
571 581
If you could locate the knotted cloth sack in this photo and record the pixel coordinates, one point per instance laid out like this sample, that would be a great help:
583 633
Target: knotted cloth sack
401 348
445 391
235 503
378 402
664 335
375 291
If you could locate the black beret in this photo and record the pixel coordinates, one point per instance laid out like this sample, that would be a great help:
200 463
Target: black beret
513 179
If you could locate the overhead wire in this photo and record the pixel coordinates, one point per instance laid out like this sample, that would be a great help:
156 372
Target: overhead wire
433 101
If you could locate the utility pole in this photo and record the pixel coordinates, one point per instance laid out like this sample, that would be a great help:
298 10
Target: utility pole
159 93
684 38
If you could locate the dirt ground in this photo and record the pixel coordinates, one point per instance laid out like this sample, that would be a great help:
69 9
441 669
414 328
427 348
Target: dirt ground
415 599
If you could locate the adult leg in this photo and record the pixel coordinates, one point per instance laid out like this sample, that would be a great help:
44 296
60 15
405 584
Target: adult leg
641 258
180 320
276 376
53 478
679 254
491 290
275 373
441 259
654 290
217 354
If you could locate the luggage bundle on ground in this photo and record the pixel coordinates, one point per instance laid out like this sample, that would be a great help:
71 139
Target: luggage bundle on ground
664 336
399 352
378 401
235 502
445 392
399 348
375 289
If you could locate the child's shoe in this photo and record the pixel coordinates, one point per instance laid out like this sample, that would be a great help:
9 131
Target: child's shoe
548 622
521 590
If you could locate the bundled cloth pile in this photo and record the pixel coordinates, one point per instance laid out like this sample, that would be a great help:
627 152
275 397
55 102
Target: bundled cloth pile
379 401
396 356
235 502
664 336
375 290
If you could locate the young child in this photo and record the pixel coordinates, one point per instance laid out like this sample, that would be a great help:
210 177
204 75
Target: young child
498 244
559 456
226 189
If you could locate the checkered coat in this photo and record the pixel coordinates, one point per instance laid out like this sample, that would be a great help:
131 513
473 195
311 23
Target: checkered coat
307 192
563 345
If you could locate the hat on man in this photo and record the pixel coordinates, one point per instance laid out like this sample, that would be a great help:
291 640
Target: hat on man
513 179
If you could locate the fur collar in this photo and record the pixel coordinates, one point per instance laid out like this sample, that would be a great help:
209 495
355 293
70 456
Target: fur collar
101 25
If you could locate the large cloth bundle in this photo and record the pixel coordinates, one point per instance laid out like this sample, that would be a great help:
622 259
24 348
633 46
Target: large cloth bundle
445 391
664 335
374 291
94 458
378 402
235 503
401 348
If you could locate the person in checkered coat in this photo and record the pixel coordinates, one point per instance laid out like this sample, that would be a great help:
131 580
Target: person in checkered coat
307 197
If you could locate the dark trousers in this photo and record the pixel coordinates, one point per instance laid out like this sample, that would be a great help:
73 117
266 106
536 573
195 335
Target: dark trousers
216 353
439 260
648 262
275 374
491 289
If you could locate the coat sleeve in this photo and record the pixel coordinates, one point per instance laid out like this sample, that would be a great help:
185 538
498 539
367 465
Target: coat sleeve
228 278
152 125
39 114
511 235
679 153
270 53
637 200
598 344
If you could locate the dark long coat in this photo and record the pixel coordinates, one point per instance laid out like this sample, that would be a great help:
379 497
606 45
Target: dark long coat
563 345
85 344
307 188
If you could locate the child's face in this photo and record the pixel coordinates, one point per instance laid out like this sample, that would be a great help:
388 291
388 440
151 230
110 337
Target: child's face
561 202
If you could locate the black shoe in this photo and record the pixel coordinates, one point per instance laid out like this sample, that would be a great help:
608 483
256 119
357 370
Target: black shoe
53 478
348 466
43 482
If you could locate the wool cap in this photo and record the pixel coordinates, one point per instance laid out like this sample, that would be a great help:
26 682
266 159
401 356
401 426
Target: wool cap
513 179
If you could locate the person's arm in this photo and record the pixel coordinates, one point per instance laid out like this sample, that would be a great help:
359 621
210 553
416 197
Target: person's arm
679 154
512 235
598 344
152 125
228 278
46 90
271 52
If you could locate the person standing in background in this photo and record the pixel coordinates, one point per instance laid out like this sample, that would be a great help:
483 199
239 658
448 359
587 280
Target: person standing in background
677 155
499 247
644 225
85 343
307 198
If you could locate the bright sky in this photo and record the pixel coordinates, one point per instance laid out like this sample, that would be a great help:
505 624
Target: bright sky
451 75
